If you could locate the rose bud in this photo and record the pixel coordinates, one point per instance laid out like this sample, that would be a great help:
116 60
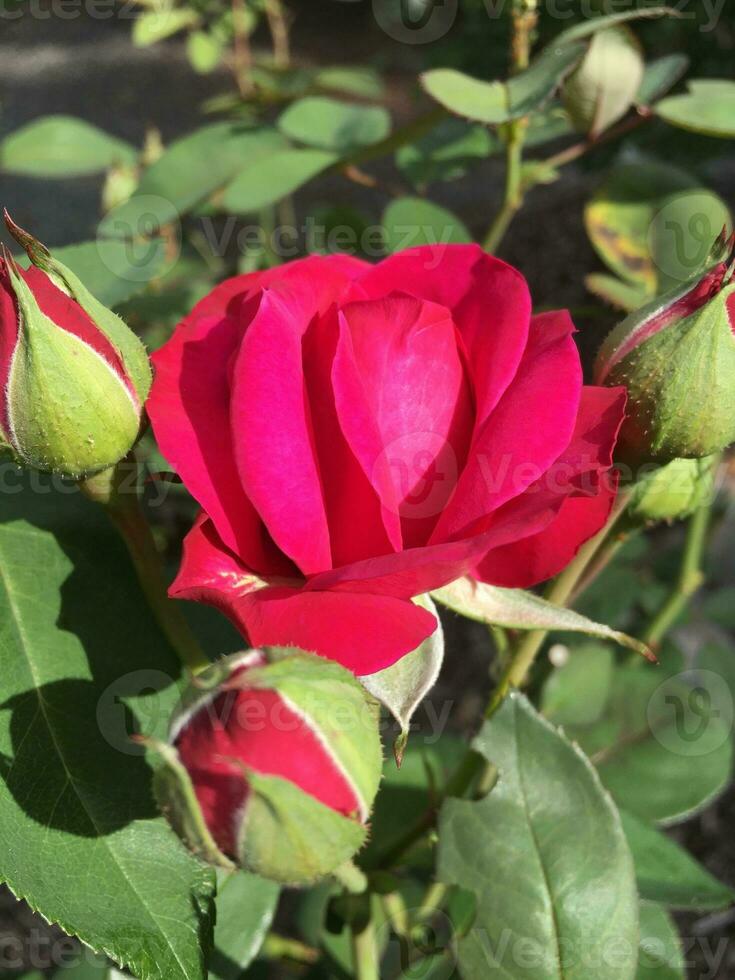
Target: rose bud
74 377
676 356
273 766
604 85
673 492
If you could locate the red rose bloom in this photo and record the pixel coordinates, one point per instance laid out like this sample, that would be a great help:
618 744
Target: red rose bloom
358 435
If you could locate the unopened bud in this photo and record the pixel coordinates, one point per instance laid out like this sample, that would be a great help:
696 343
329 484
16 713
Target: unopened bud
73 377
676 356
273 766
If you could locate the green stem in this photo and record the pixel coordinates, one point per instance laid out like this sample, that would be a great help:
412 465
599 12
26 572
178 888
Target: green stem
116 490
690 577
432 901
364 951
513 198
276 947
524 18
396 913
278 24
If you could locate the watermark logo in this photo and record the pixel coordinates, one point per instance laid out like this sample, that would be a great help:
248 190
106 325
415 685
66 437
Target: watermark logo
691 713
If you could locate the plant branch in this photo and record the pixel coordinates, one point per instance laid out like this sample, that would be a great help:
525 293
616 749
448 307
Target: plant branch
117 493
524 18
578 150
242 56
691 577
278 24
364 950
277 947
559 593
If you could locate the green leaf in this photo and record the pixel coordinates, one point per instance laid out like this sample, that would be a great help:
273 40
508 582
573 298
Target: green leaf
667 874
653 224
660 956
659 76
155 25
593 24
576 692
402 687
362 82
516 609
410 221
113 271
497 102
661 748
85 666
536 851
189 171
204 50
257 186
62 146
623 296
708 108
333 125
245 908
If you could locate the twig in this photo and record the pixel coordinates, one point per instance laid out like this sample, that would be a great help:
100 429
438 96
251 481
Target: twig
278 24
242 55
691 577
123 508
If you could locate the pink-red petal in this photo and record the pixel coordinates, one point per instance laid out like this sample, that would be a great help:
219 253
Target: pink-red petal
364 632
488 299
270 417
541 556
528 430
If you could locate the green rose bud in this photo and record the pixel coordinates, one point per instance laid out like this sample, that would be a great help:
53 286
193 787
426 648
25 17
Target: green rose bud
676 356
604 85
74 377
674 491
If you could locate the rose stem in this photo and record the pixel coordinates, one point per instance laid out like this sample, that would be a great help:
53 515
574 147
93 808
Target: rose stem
524 17
242 56
364 950
278 25
691 577
522 659
116 490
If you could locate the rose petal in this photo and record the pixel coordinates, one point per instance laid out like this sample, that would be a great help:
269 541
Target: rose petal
190 398
527 432
583 511
488 299
404 404
364 632
419 570
189 411
541 556
274 448
347 490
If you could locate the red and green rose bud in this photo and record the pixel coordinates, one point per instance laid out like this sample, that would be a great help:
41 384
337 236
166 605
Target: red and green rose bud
676 356
273 765
73 377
